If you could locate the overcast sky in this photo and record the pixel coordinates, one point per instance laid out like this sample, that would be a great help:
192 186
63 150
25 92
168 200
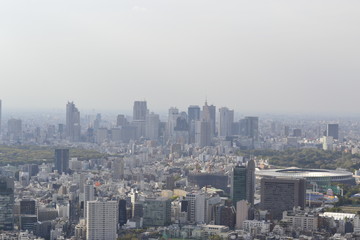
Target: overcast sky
281 56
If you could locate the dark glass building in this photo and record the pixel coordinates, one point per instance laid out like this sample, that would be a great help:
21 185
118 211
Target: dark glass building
62 160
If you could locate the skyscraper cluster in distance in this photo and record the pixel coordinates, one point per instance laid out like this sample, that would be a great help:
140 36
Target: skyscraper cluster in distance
193 174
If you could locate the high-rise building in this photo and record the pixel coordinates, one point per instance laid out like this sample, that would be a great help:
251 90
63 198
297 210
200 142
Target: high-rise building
194 113
209 115
152 126
226 122
243 183
122 212
282 194
332 130
14 129
157 212
6 203
118 168
73 127
62 160
121 120
101 221
252 127
139 110
202 133
28 214
89 195
193 116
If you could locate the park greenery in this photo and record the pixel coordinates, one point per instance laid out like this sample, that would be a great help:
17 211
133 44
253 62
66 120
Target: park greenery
308 158
17 155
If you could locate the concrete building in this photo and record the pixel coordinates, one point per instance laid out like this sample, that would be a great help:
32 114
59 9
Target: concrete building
139 110
157 212
6 203
101 220
282 194
332 130
226 122
299 219
242 213
152 126
73 127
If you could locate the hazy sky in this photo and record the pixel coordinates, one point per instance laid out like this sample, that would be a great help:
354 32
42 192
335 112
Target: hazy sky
297 56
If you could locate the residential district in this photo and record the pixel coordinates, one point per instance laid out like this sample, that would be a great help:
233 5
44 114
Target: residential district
194 175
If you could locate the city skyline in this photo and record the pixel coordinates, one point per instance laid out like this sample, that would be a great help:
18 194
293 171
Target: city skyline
264 56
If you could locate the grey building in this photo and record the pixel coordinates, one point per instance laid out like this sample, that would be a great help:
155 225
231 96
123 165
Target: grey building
282 194
6 203
157 212
62 160
332 130
139 110
73 128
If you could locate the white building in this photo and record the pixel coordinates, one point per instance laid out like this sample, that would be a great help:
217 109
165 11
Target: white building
242 210
101 222
257 226
301 220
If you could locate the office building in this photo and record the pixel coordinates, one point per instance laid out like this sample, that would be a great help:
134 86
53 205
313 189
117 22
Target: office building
14 129
122 212
242 213
118 168
252 127
226 122
282 194
28 214
243 183
121 120
194 113
202 133
209 115
332 130
73 127
6 203
152 126
157 212
101 220
89 195
62 160
139 110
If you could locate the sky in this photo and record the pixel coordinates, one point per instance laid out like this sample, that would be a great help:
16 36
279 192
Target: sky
273 56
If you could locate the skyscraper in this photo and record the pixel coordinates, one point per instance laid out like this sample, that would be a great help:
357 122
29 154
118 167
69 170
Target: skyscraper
89 195
282 194
152 126
6 203
193 116
332 130
202 133
243 183
62 160
73 128
101 221
15 129
139 110
226 122
194 113
252 127
209 115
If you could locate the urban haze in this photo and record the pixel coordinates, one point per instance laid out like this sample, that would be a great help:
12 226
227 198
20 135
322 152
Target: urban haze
123 120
